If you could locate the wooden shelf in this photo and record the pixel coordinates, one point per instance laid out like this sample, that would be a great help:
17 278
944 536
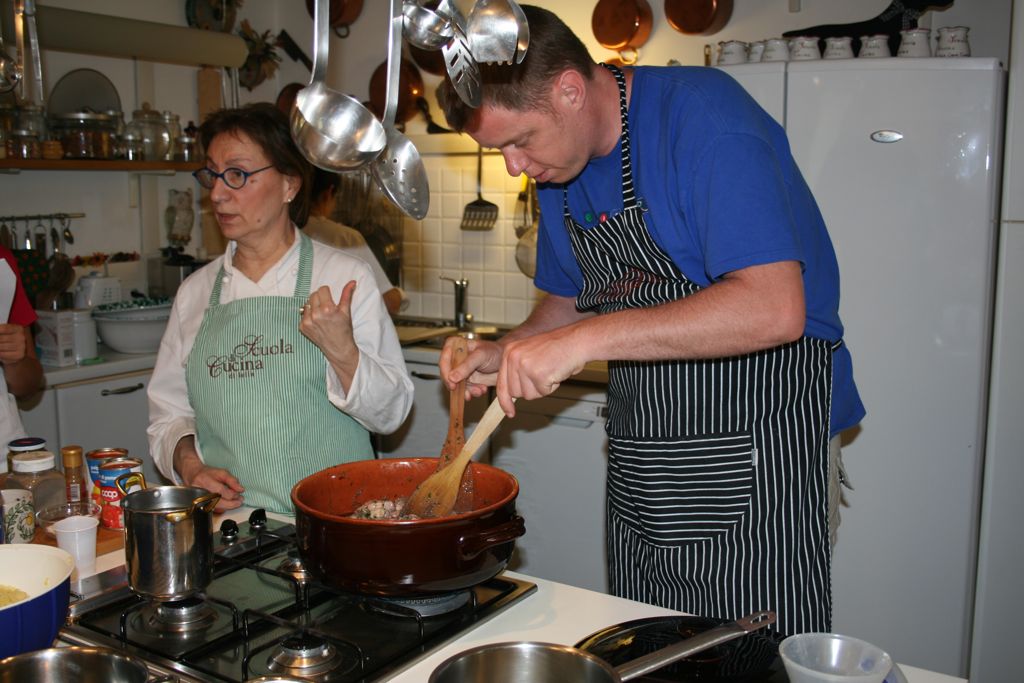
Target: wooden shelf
99 165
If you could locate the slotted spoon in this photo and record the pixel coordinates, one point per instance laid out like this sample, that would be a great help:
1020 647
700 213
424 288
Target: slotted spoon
436 496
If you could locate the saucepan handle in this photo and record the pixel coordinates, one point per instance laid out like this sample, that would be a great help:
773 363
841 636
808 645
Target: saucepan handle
125 481
206 503
702 641
472 545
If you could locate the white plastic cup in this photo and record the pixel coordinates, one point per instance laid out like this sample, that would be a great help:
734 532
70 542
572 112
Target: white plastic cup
77 536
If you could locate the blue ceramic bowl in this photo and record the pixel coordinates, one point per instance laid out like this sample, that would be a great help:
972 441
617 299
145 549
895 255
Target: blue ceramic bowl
44 572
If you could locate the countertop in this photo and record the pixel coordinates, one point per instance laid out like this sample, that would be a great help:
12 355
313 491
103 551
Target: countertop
555 613
111 363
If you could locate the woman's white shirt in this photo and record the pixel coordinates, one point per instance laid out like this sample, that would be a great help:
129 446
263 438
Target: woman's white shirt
381 393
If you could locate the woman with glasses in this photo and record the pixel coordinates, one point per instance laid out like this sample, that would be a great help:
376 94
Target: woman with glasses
279 357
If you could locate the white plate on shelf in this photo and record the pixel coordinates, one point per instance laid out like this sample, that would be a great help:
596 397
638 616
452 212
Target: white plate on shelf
83 89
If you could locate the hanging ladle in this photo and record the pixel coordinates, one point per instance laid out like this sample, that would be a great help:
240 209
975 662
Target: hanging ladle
399 169
424 28
334 131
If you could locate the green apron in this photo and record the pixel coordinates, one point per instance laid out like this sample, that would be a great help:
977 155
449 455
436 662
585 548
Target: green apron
259 391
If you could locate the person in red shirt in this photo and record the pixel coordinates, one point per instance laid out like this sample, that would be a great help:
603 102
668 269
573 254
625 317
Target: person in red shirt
23 373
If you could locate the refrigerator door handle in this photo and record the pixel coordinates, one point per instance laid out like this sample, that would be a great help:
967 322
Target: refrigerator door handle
887 136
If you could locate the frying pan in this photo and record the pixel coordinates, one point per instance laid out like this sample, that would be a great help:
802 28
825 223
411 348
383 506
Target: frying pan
698 17
343 13
622 25
549 663
410 88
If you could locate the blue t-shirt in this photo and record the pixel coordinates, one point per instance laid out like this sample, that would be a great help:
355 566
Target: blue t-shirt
722 192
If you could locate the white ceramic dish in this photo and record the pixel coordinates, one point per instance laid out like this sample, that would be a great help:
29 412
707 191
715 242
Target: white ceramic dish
131 336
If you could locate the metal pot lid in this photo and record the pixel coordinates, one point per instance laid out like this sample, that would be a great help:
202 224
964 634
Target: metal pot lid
752 657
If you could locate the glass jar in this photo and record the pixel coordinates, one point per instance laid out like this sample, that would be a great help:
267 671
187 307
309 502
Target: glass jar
117 137
173 125
147 125
37 472
85 135
32 119
24 144
185 148
132 146
26 444
8 117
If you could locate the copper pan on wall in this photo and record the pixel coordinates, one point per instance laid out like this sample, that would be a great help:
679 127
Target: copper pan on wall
410 89
343 14
698 17
622 26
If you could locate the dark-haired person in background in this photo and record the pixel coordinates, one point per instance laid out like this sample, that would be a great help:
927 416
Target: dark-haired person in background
321 228
678 241
279 356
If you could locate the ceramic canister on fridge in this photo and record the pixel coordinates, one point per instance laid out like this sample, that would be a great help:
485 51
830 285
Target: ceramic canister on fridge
952 42
915 42
873 47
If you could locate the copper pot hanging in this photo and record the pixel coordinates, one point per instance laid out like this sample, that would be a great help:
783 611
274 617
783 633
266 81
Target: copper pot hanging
410 89
623 26
343 14
698 17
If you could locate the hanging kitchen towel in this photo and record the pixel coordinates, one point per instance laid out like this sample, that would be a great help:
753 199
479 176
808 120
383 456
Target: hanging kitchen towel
34 271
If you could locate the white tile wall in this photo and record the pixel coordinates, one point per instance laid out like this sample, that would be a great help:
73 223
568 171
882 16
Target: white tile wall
436 246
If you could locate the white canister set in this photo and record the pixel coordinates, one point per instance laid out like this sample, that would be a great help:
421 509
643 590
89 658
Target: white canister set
951 41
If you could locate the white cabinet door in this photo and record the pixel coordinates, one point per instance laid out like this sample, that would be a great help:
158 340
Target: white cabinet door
109 412
557 449
423 432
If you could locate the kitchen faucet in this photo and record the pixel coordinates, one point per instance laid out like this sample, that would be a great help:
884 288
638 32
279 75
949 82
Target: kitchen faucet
462 318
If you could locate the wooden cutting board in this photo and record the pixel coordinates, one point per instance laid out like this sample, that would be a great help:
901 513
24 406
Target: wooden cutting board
107 540
413 334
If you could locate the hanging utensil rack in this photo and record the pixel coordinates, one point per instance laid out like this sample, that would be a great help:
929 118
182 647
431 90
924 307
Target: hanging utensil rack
42 217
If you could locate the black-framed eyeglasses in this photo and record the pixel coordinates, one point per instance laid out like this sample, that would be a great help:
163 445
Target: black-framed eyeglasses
235 178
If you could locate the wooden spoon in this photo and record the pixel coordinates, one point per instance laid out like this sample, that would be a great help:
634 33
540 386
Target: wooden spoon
456 438
436 496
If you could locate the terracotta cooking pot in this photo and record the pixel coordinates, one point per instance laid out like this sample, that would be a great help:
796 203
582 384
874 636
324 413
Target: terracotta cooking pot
403 557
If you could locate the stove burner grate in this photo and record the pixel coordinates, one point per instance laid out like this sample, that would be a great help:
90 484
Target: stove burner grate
179 617
427 606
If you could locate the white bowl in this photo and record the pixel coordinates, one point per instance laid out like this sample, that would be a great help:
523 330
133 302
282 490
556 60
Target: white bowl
833 658
131 336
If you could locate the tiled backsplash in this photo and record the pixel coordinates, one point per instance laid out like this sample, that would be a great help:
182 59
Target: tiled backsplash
436 246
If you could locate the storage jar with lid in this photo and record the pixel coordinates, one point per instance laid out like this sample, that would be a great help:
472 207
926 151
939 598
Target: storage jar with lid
185 148
24 144
32 119
85 135
25 444
37 472
147 125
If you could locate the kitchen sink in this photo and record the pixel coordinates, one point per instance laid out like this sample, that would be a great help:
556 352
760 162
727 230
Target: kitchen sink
417 331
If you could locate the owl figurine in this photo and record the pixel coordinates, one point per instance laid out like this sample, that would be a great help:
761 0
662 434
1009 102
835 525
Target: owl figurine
179 217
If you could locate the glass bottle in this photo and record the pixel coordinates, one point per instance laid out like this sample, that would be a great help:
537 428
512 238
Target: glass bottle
36 472
173 125
76 484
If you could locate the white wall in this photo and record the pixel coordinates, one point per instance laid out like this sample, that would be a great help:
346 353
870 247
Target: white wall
124 211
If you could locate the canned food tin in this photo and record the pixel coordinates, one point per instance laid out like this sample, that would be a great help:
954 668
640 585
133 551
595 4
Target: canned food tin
111 515
93 459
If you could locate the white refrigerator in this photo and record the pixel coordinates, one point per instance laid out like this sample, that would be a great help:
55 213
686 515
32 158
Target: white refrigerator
903 157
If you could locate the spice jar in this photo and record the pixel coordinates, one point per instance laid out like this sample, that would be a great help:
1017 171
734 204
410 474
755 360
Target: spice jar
31 118
85 135
147 125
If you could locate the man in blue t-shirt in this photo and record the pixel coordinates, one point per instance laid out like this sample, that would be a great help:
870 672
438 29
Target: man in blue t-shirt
679 242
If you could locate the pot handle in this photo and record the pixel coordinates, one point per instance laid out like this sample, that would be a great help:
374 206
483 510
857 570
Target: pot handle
124 481
472 545
205 503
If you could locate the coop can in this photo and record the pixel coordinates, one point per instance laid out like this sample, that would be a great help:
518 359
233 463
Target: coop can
112 515
93 460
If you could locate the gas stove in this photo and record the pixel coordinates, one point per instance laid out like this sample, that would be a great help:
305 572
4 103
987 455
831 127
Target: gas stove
265 615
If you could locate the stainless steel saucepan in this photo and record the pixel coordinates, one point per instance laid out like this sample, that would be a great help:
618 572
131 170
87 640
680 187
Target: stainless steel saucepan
168 541
550 663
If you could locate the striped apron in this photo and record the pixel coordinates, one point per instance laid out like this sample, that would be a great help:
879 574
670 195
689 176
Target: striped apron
259 391
717 471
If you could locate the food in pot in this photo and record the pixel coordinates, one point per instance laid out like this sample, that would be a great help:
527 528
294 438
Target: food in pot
382 508
10 595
